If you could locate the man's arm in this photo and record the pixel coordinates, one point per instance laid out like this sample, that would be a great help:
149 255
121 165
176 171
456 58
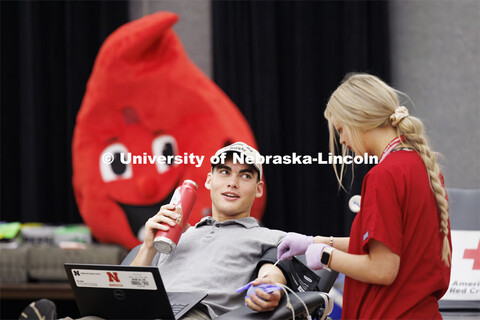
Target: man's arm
144 256
262 301
165 217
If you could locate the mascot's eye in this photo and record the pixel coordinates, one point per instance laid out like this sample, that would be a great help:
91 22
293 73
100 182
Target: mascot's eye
164 146
115 163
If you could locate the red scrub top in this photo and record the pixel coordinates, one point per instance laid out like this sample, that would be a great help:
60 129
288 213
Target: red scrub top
398 208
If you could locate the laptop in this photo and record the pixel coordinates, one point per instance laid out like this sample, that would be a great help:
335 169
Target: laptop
126 292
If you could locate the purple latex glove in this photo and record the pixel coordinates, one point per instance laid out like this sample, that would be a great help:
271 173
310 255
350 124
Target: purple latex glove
293 244
314 254
268 288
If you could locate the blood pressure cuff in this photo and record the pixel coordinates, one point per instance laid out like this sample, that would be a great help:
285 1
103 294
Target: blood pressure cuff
299 277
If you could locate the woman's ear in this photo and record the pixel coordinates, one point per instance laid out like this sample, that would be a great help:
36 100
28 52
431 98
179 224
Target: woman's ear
208 181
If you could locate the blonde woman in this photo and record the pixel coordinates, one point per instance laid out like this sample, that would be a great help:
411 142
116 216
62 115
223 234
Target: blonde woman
397 258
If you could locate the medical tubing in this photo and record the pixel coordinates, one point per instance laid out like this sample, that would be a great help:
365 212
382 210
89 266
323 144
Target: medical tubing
328 305
326 299
296 295
271 268
289 305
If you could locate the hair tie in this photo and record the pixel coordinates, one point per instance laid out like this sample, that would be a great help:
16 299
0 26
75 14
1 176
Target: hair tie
400 113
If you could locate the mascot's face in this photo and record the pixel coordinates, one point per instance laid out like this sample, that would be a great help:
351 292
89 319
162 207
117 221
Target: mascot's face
131 181
146 99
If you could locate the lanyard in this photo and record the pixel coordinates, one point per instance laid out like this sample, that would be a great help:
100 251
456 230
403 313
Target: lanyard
392 145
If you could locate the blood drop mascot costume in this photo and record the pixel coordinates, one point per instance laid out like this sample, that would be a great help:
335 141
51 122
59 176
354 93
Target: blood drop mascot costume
145 98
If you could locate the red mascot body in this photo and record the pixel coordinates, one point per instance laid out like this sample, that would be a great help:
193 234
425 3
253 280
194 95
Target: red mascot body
146 98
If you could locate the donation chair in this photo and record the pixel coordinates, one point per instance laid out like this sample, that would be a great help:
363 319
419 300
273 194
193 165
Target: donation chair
314 300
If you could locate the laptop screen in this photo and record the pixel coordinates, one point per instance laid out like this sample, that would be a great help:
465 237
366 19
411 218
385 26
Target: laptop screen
125 292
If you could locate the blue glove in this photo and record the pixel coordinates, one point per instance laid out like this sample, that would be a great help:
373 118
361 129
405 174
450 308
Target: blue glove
265 287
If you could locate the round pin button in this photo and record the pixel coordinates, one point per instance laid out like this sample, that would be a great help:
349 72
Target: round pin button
354 203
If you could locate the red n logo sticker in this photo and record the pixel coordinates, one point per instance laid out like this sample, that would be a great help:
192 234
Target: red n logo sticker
113 277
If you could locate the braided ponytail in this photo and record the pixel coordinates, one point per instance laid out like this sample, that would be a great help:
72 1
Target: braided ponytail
412 130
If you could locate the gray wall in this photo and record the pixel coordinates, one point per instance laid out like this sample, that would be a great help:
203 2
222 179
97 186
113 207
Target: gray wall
436 61
193 26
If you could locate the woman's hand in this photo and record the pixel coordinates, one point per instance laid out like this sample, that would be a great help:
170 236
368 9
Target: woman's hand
313 256
293 244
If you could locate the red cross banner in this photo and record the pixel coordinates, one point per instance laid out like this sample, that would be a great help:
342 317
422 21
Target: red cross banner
465 274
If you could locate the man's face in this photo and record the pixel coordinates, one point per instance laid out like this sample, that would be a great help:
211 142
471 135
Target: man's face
233 188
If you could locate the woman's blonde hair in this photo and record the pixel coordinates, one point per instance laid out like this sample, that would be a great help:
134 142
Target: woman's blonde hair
364 102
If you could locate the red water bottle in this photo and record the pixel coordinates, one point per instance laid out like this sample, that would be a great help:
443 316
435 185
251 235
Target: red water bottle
184 199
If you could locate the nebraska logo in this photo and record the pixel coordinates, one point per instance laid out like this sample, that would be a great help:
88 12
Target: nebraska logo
113 277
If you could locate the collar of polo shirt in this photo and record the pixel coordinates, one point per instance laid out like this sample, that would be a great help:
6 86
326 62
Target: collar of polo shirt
247 222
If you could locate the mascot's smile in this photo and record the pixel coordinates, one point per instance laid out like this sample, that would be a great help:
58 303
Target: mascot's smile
138 215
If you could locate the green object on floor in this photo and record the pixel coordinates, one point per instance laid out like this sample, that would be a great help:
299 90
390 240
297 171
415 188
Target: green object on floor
9 230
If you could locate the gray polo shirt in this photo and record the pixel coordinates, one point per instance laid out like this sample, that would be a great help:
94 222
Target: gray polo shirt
217 258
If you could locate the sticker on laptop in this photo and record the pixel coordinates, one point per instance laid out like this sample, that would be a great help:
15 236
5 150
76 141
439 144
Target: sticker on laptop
114 279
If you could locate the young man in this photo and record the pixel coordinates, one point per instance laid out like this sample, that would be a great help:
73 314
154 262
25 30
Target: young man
222 252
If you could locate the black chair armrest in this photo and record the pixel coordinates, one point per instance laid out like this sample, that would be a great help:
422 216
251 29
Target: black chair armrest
312 299
130 256
327 279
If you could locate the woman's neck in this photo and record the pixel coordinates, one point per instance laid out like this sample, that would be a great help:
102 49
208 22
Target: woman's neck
376 140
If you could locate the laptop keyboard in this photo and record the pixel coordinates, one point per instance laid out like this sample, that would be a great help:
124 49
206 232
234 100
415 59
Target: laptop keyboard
177 307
